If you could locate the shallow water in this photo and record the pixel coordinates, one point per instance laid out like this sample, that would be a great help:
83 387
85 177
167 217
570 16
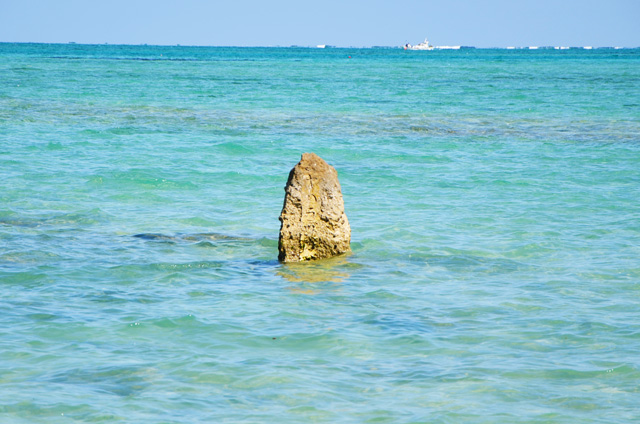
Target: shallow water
493 200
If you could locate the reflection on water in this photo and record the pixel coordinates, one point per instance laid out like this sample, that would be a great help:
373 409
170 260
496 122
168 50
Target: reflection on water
332 270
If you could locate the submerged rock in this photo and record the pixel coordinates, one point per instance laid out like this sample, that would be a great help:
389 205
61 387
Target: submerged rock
313 222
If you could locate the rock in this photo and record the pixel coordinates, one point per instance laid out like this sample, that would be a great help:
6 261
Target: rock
313 222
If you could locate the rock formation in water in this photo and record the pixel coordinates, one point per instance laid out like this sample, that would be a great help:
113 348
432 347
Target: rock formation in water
313 222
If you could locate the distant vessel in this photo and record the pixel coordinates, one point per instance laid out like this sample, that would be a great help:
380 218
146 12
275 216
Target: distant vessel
321 46
422 46
426 46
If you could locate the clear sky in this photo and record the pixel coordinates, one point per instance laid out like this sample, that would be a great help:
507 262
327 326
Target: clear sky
480 23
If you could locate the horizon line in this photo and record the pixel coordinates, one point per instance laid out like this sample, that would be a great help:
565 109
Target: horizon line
324 46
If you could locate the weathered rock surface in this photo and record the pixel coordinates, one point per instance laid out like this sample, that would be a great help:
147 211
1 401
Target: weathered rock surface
313 222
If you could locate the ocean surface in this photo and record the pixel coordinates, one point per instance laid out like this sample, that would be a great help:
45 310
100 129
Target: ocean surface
494 202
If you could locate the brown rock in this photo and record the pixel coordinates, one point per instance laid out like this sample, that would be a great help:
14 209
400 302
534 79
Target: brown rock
314 225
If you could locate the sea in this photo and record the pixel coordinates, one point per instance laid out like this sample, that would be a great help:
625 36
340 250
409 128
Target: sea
493 197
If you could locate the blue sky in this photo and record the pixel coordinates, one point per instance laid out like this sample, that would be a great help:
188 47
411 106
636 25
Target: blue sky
482 23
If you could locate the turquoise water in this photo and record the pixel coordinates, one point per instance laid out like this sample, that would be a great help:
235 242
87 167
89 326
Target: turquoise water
493 200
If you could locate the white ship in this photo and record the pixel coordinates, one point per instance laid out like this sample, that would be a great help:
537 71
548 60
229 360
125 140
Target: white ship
422 46
426 46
